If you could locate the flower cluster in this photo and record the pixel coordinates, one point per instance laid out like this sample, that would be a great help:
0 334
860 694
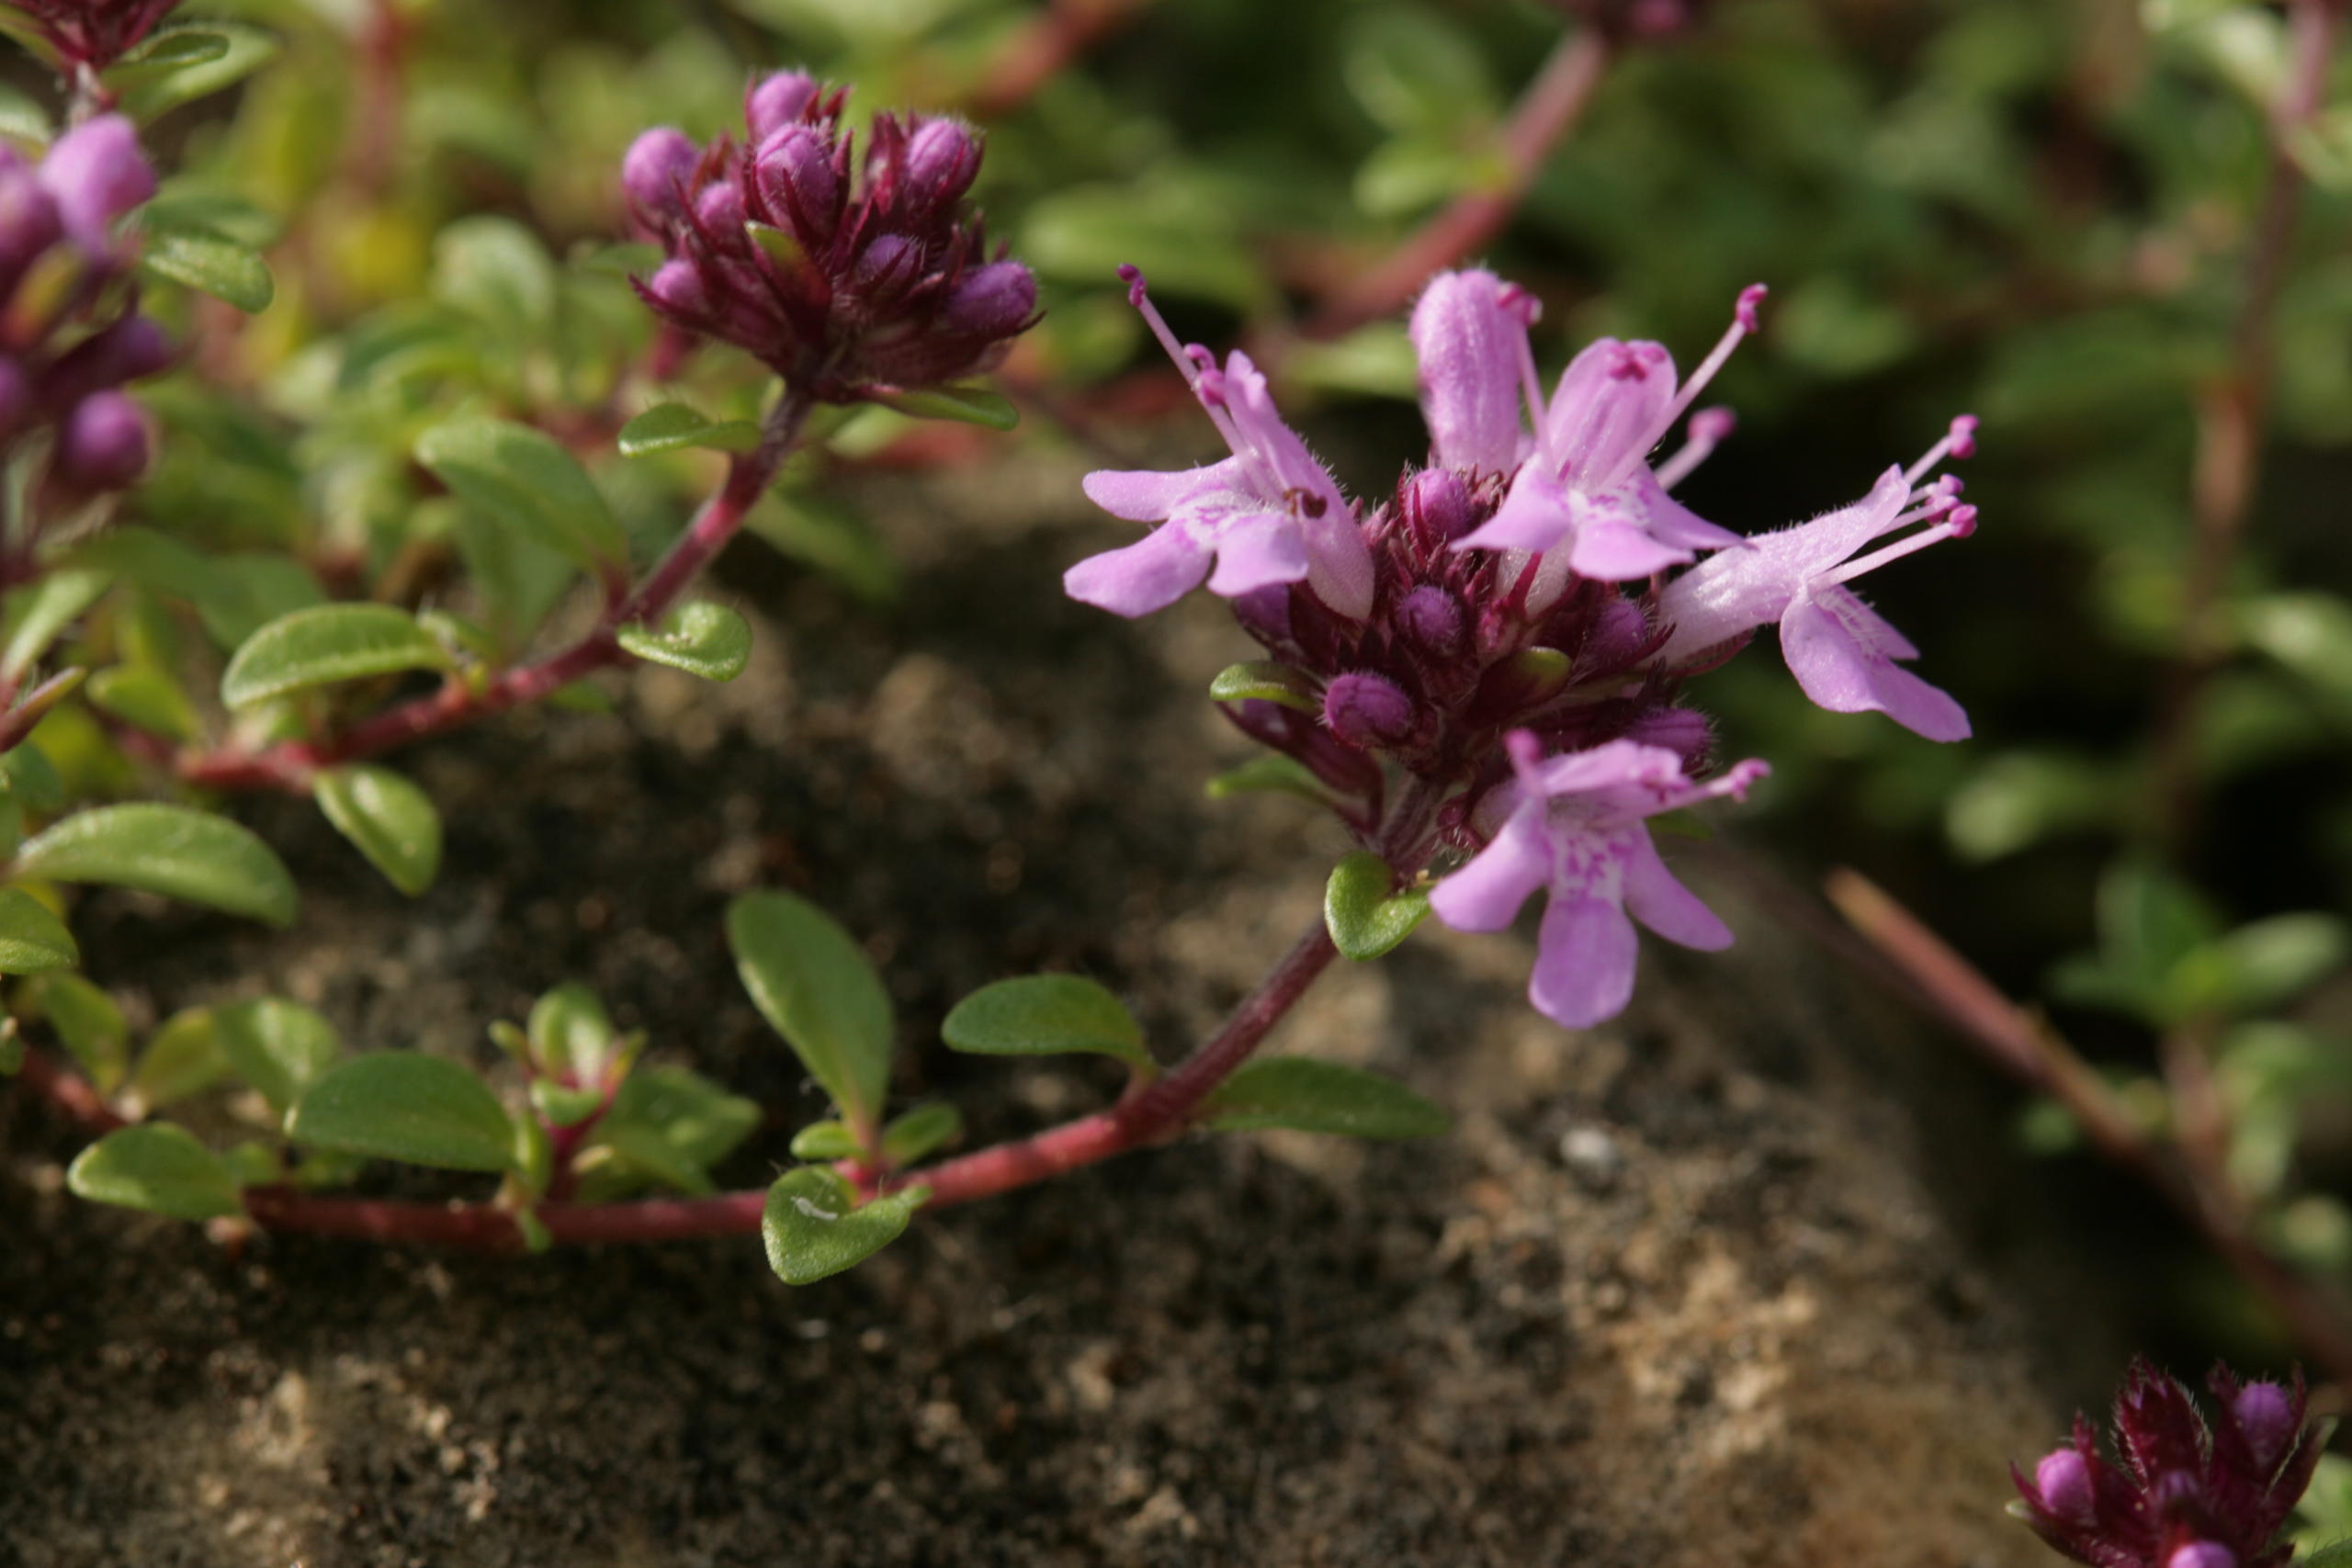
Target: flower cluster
93 34
1512 626
2187 1495
70 332
850 277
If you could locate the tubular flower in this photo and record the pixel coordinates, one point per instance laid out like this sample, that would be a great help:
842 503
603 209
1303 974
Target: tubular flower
2187 1494
93 34
852 277
1575 827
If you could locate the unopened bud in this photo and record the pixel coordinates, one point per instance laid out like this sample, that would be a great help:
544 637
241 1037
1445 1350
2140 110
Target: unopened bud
28 223
2064 1481
676 287
942 157
2202 1554
657 172
1683 731
887 265
1431 620
719 210
1367 710
995 300
2266 1414
1620 631
778 101
796 173
104 443
130 350
97 173
1437 506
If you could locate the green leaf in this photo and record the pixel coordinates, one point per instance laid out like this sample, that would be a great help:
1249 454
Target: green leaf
1264 681
813 984
2270 961
32 940
183 1057
529 481
965 405
910 1137
497 271
814 1228
249 49
391 821
31 779
325 644
668 1125
36 615
698 638
565 1107
281 1048
405 1106
165 51
1308 1096
1366 915
210 263
780 245
1043 1015
824 1141
1269 775
145 698
170 850
570 1033
158 1168
86 1023
674 427
836 541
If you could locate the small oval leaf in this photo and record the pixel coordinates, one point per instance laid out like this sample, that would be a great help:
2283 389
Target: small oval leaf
145 698
405 1106
1366 915
1265 681
325 644
1044 1015
1269 775
528 480
813 984
823 1141
36 615
674 427
965 405
813 1226
170 850
700 638
920 1131
212 264
32 940
1308 1096
159 1167
391 820
183 1057
279 1047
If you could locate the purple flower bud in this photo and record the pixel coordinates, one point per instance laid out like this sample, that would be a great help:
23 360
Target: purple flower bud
2064 1482
1619 633
1367 710
2267 1414
795 173
28 223
887 265
942 157
657 174
992 301
1431 620
2202 1554
719 210
778 101
97 173
1687 733
1437 506
130 350
104 443
676 287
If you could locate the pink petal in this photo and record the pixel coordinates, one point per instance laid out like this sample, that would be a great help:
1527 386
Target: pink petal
1659 901
1146 495
1612 547
1150 574
1668 521
1257 549
1610 399
1485 894
1584 963
1469 348
1339 561
1534 516
1842 653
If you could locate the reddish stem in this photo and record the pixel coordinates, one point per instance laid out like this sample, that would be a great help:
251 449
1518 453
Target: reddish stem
291 765
1545 114
69 1091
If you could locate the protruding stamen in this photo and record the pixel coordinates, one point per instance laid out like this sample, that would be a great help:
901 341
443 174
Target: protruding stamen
1959 442
1743 322
1705 431
1531 386
1959 523
1139 296
1519 304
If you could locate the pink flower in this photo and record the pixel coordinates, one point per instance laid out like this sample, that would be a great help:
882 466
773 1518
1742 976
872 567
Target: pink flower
1842 652
1574 827
1269 515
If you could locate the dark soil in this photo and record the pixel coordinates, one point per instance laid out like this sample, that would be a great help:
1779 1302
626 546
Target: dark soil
1678 1291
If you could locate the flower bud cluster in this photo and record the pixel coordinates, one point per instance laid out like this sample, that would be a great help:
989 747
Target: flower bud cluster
93 34
849 275
70 335
2187 1494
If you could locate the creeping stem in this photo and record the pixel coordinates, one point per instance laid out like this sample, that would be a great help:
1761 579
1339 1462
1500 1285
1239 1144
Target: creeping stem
291 766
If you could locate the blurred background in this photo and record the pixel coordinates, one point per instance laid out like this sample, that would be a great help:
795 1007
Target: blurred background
2116 229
